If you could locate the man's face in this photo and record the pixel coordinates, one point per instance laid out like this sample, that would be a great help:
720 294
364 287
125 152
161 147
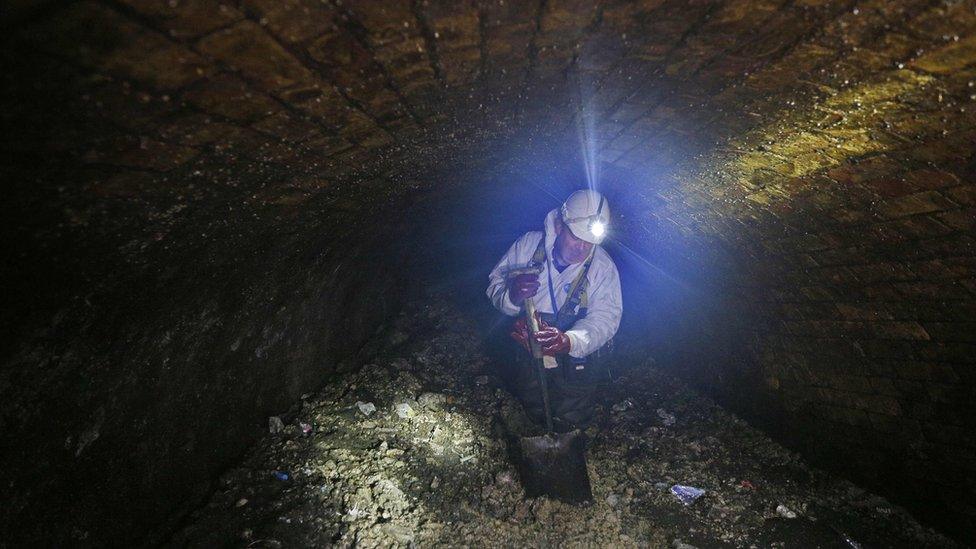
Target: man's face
570 249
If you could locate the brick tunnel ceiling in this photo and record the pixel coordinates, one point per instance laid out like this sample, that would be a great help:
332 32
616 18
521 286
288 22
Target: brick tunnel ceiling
778 125
821 152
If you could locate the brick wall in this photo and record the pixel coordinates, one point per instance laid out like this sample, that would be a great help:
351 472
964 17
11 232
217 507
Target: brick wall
835 200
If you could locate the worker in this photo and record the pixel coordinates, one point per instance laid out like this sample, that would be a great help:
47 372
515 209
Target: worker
575 288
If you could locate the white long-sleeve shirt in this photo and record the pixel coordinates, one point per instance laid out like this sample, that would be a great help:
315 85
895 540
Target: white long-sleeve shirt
604 305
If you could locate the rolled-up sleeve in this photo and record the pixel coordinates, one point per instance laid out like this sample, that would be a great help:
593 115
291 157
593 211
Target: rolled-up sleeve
604 307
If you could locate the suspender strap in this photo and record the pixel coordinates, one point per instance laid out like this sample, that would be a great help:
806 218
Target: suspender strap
577 292
539 257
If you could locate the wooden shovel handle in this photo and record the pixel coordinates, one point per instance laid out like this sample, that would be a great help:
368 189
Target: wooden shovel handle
533 324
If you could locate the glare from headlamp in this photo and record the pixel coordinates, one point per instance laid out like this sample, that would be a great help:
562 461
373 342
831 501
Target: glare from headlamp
598 229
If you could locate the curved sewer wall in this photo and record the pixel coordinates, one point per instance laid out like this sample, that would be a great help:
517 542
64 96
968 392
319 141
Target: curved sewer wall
212 207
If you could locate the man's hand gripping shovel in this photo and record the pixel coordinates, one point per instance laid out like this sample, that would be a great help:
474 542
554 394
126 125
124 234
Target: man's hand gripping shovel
553 464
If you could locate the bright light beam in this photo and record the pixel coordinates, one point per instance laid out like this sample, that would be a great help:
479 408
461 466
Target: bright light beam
586 130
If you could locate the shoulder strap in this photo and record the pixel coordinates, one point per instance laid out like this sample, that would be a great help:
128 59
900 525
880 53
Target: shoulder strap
539 257
577 292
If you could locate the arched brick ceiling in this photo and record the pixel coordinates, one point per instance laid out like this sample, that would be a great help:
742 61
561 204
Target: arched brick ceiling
771 90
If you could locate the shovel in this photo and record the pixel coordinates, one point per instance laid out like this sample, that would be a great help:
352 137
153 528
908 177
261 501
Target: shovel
553 464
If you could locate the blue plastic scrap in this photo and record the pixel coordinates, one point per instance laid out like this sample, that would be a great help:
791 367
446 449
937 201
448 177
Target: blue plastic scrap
281 475
687 494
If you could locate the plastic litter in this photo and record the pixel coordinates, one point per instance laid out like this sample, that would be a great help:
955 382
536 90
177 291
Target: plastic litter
281 475
306 428
687 494
367 408
785 511
667 418
275 425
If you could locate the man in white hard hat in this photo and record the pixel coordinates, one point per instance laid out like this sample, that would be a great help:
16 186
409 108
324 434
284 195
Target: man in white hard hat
576 296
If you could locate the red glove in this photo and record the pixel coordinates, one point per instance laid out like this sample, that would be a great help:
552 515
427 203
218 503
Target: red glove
522 286
520 333
553 340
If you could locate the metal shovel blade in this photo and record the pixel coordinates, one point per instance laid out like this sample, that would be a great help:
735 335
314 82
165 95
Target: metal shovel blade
554 465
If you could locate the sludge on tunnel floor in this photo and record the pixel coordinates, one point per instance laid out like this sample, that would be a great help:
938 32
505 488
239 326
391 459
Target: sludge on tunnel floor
410 451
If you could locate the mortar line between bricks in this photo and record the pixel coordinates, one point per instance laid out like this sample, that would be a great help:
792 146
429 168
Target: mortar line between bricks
626 54
231 122
572 68
178 96
137 18
669 56
787 5
120 130
664 97
868 223
128 12
877 33
327 128
906 145
532 54
573 71
429 41
360 33
482 42
883 250
814 31
317 69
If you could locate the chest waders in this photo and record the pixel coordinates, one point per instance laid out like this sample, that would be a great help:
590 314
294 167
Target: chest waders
572 384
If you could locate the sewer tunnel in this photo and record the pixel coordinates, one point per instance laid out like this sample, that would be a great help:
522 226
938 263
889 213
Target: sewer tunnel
223 212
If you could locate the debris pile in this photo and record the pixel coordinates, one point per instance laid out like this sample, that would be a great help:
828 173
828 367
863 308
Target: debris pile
411 450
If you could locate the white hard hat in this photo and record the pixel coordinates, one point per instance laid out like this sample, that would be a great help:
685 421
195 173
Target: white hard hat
587 215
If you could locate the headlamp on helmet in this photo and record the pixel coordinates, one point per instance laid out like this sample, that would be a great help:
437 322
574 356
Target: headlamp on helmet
591 228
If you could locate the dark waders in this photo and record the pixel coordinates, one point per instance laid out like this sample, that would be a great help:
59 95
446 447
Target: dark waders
573 384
